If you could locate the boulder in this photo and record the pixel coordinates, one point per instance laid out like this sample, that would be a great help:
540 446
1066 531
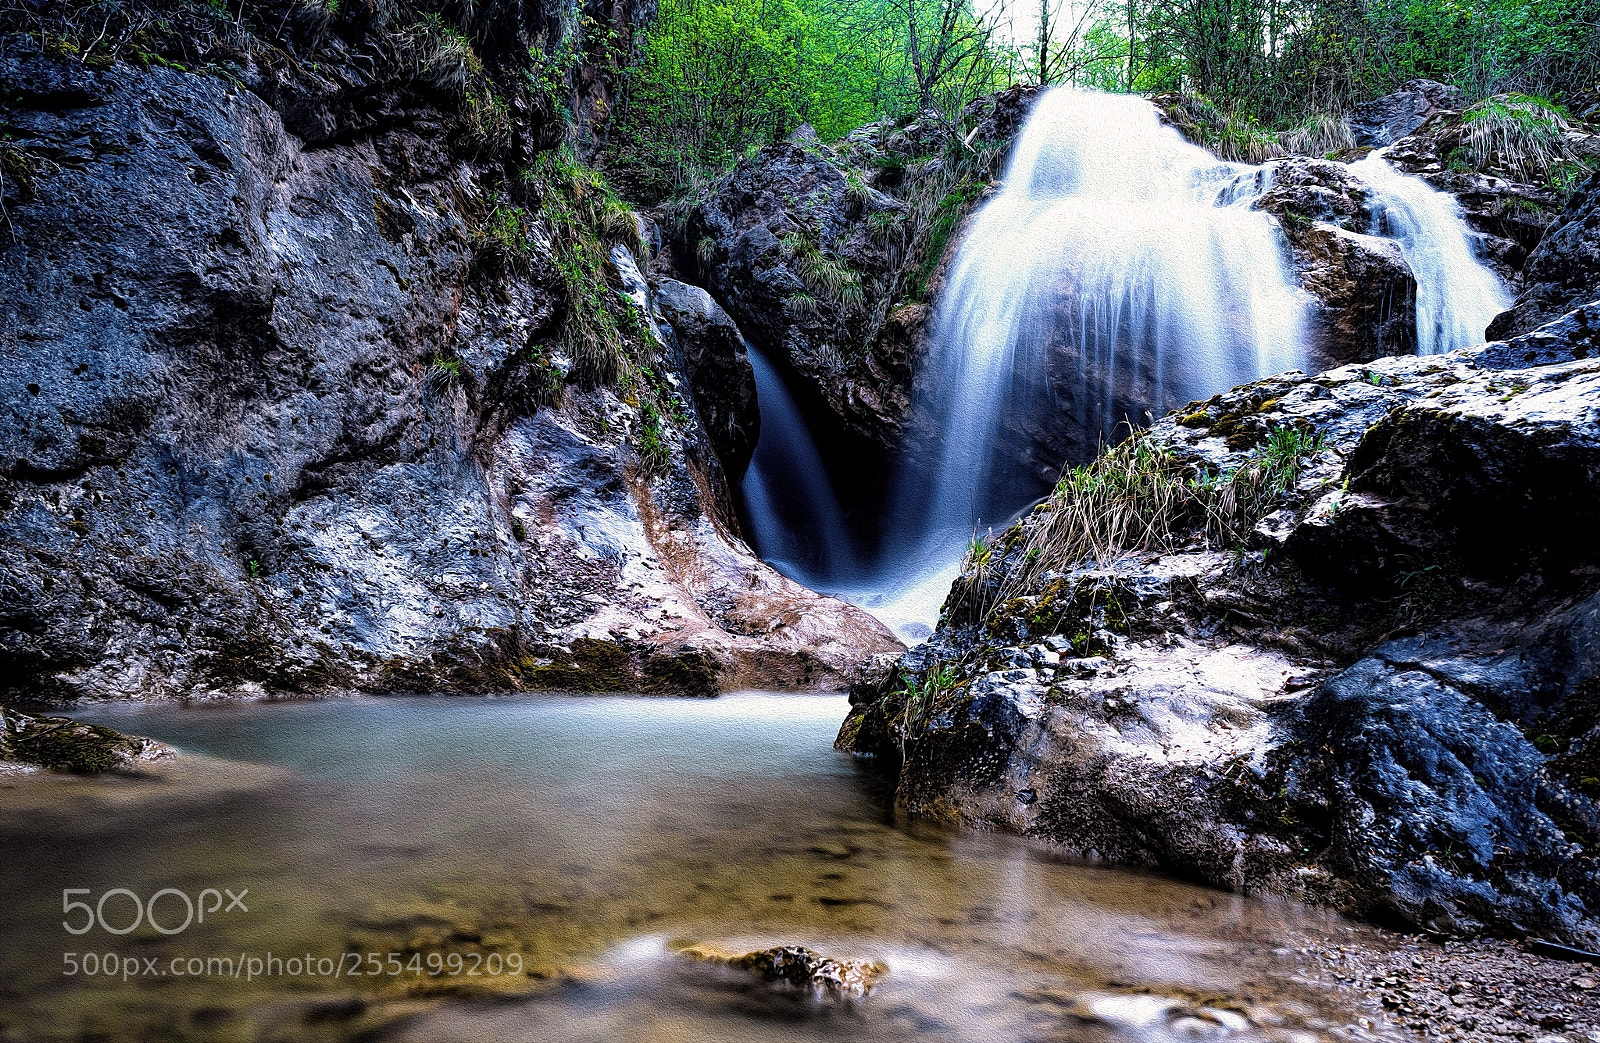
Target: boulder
787 243
1365 292
1384 121
1377 696
32 741
797 967
719 370
1564 269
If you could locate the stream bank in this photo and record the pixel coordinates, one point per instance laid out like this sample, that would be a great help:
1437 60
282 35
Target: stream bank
1360 675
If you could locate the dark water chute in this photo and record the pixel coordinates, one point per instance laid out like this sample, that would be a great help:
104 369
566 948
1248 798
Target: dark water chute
791 510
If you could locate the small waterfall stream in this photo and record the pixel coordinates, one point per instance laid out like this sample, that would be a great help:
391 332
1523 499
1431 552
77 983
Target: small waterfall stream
1118 272
791 509
1457 296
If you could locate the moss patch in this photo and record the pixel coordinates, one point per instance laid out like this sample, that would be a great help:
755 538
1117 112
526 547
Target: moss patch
62 744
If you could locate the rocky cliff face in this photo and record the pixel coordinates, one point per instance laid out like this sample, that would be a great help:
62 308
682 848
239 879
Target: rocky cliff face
796 245
296 394
1351 659
1563 270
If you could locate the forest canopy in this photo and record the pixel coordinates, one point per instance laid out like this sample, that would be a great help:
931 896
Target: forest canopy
715 77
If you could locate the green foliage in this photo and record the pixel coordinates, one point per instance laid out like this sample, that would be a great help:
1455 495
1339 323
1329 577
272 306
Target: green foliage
1231 134
578 208
919 696
653 446
825 276
1299 64
716 77
444 369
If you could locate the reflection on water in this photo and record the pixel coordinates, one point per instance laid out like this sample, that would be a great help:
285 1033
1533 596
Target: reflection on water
585 837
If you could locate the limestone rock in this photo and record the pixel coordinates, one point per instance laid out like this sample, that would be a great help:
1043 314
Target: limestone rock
719 371
281 418
798 967
64 745
1385 706
1384 121
1564 269
789 249
1365 292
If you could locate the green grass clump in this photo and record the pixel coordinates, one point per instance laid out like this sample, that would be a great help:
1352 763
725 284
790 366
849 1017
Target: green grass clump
918 696
1137 496
1233 136
1521 135
600 331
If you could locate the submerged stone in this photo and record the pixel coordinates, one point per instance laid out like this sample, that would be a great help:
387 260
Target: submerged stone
797 966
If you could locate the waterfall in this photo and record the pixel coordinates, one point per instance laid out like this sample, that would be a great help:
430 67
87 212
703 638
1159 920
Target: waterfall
1457 296
1117 272
790 507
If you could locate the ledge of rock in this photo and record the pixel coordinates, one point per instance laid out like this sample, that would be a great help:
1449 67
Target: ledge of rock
32 741
1381 697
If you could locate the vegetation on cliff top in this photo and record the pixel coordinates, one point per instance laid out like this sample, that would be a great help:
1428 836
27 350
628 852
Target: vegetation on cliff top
715 77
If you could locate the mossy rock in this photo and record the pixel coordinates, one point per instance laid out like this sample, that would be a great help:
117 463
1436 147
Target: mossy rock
62 744
606 666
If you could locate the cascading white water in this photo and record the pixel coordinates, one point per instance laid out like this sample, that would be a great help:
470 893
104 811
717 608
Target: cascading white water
1120 260
1118 272
1457 295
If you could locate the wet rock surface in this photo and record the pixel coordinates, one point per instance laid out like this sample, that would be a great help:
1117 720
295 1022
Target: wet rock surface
1380 701
1364 290
718 368
1564 269
797 967
1386 120
283 418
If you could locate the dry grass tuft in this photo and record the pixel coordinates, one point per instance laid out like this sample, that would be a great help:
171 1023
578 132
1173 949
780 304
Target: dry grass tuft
1136 496
1321 135
1518 134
